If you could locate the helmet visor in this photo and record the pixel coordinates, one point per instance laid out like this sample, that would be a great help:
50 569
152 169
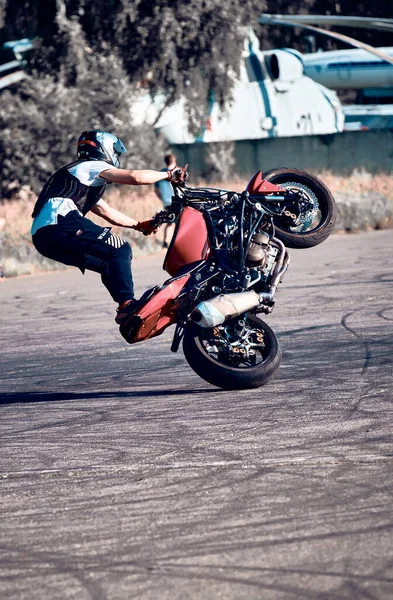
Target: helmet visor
119 147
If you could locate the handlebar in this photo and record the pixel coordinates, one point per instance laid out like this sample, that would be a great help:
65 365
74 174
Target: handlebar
203 194
215 197
184 194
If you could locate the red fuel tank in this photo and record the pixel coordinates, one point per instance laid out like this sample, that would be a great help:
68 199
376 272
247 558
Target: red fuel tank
190 242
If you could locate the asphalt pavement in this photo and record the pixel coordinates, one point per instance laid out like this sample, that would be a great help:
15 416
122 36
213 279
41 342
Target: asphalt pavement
124 475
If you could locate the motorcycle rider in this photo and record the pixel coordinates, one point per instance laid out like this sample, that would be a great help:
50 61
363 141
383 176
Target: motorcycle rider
61 231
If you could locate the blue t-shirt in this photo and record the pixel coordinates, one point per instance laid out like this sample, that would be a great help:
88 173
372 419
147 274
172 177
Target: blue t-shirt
165 190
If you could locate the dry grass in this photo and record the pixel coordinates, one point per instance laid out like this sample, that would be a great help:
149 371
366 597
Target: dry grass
19 257
360 182
365 201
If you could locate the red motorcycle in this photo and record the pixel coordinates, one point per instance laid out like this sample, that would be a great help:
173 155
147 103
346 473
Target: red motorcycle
226 259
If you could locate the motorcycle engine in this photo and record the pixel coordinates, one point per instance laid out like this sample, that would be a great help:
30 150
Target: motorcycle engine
257 250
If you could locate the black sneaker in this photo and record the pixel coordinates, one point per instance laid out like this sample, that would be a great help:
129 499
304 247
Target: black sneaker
125 311
132 305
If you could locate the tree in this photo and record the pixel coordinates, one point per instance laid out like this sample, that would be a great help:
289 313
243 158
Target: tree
167 44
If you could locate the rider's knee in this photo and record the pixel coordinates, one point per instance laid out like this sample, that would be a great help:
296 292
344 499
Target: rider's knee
125 250
120 249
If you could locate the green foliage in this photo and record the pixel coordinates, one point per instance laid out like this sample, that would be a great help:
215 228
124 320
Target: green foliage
42 120
166 43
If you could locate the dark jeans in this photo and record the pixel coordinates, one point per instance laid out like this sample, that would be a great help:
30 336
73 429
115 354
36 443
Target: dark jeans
78 241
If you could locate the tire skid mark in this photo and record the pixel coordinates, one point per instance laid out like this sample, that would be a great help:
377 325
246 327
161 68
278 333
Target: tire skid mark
381 313
50 563
138 471
365 343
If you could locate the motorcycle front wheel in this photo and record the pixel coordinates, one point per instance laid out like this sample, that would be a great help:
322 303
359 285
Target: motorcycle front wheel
316 207
240 354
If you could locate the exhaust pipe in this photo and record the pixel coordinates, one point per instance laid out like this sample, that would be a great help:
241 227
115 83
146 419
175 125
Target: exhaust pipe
221 308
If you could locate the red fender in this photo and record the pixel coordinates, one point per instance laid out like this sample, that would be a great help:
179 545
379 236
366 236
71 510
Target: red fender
258 185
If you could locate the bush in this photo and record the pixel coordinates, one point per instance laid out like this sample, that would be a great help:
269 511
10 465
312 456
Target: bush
43 119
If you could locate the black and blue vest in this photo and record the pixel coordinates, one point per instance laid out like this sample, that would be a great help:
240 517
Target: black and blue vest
64 185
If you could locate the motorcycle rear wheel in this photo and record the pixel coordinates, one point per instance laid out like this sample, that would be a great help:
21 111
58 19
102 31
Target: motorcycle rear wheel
316 226
212 353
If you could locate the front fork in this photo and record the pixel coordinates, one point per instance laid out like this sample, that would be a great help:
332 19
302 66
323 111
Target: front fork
178 336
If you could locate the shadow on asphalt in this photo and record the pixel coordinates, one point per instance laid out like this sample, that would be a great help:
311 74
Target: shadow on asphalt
13 398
